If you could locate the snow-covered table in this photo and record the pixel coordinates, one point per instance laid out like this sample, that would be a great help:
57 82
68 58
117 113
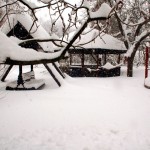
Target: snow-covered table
26 81
108 70
33 84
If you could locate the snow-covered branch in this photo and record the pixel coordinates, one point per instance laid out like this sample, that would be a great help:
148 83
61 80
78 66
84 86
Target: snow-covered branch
136 44
22 56
133 22
9 3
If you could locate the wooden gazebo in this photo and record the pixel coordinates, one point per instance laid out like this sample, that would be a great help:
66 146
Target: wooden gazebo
91 58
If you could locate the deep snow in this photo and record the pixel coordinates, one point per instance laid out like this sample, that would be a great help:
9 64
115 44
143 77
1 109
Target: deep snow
84 114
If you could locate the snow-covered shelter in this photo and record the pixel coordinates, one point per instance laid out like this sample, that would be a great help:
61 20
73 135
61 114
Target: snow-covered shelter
91 54
20 27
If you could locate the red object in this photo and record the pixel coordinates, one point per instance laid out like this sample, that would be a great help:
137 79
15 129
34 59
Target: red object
146 62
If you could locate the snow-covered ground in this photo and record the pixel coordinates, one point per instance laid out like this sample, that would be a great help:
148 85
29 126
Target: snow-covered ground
83 114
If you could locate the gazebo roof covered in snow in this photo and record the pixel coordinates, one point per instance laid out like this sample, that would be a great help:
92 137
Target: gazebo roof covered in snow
36 32
102 44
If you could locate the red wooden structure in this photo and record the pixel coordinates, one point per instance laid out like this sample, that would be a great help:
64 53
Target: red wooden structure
146 61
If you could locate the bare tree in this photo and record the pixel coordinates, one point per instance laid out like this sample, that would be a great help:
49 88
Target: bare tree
57 7
134 24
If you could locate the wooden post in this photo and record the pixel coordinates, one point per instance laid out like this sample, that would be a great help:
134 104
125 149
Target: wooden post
98 63
82 63
105 59
118 61
6 73
58 70
146 62
31 67
82 59
70 59
20 79
52 74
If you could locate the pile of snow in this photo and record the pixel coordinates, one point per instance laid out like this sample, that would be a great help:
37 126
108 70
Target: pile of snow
16 40
147 82
30 3
108 66
10 49
32 84
83 114
45 1
103 11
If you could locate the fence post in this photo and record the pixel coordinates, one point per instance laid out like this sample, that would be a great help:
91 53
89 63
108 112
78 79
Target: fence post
146 62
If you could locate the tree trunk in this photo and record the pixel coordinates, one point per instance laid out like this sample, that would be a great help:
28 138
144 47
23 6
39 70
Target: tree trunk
130 64
130 67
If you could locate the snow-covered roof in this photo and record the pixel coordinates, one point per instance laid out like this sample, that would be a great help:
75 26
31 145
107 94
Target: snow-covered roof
103 11
36 31
10 49
104 41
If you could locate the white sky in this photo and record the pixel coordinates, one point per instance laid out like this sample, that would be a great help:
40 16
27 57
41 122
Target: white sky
44 13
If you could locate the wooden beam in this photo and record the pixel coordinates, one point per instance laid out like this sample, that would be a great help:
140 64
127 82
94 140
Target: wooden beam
6 73
52 74
70 58
82 60
59 71
105 59
98 64
31 67
119 57
20 78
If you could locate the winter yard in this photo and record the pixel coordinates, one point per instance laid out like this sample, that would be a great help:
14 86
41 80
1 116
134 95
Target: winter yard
84 114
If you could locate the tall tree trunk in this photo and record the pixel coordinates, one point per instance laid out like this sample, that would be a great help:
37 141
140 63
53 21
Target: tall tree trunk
130 67
130 64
